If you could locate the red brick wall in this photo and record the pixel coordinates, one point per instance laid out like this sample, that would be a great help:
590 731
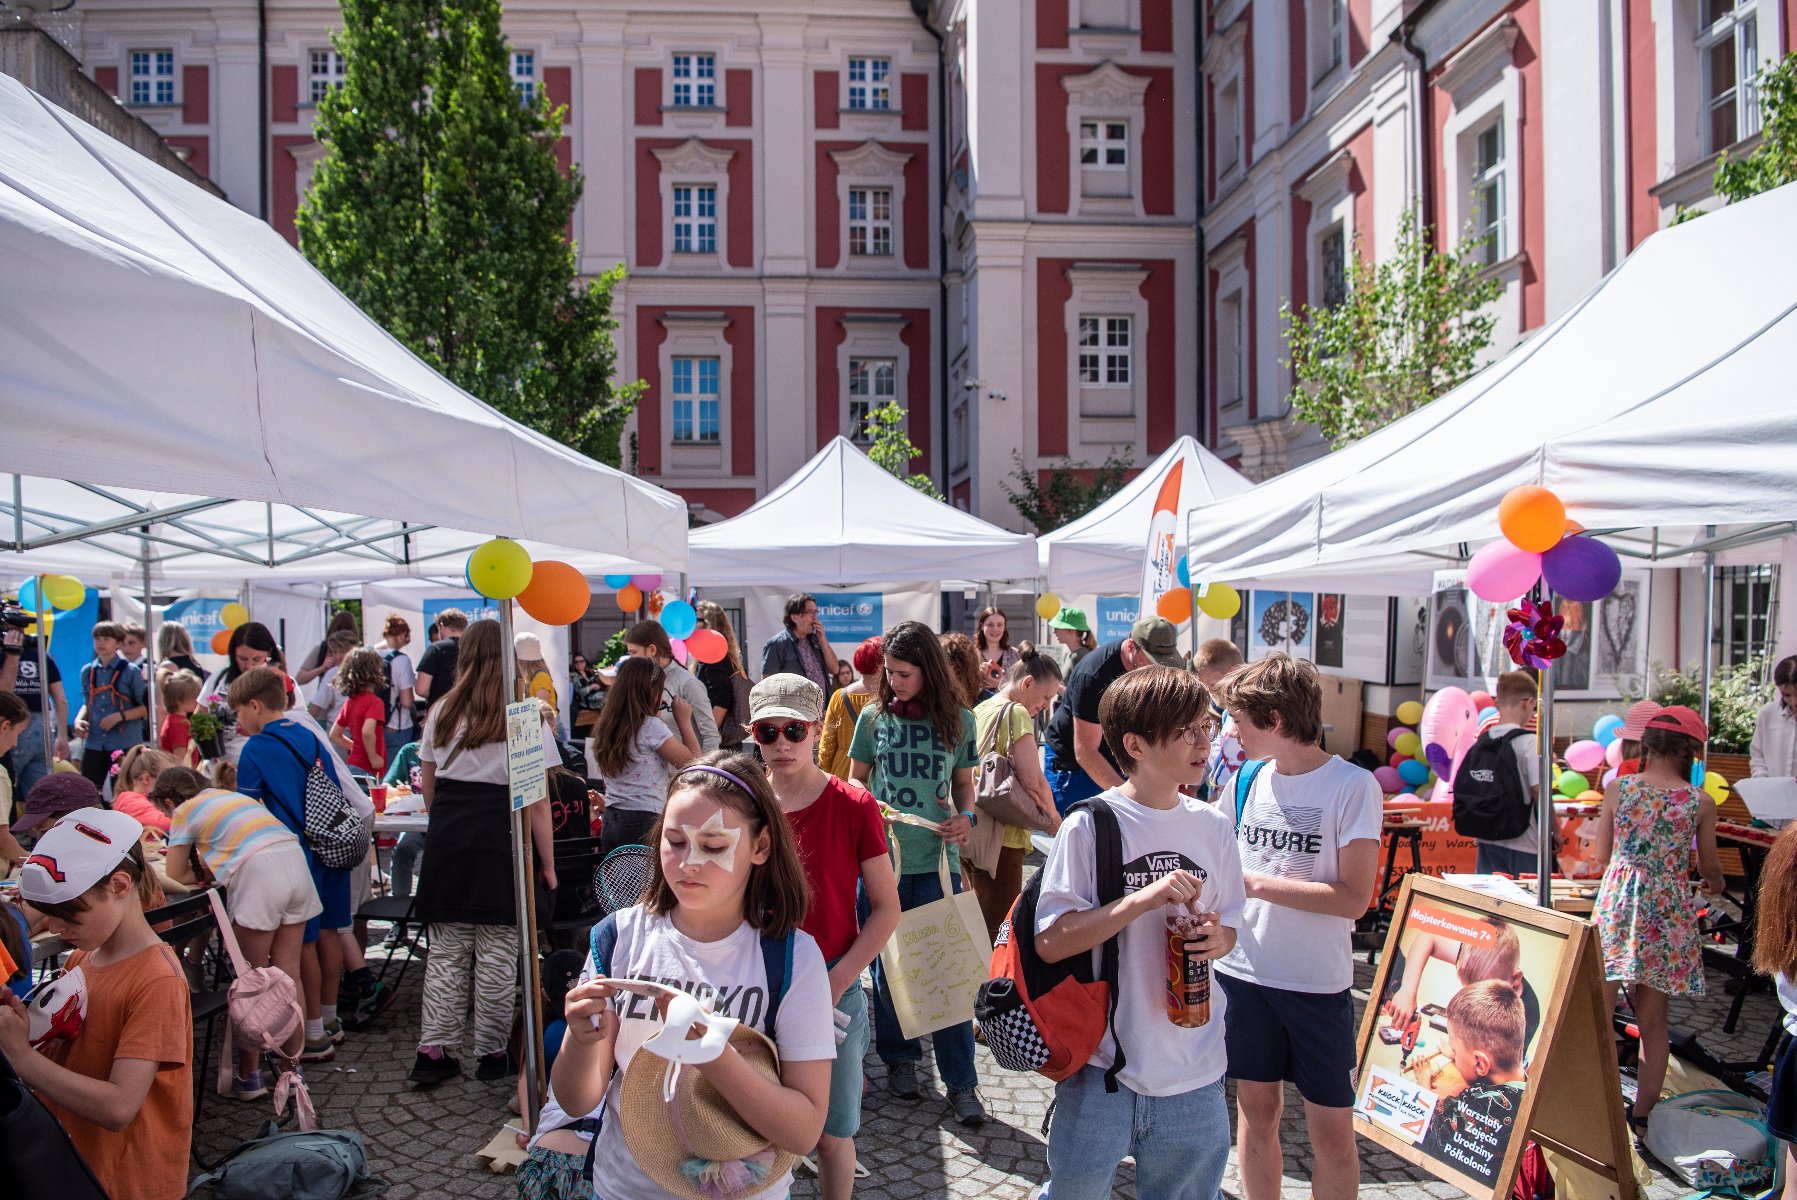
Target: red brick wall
1051 24
1053 291
1157 143
740 336
830 335
1053 172
1157 26
1297 59
739 97
196 95
825 98
199 155
1534 156
648 96
1161 354
1643 209
108 78
914 98
729 501
558 83
283 200
283 94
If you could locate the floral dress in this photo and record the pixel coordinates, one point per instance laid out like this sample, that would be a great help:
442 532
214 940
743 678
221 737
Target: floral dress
1646 916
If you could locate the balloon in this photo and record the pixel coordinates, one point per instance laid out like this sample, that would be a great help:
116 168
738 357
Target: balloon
1532 517
1436 755
1446 718
233 614
1483 700
1183 572
1408 744
1219 600
1613 752
1410 712
679 619
1048 606
616 582
221 642
1715 785
1398 760
28 596
1175 605
630 598
652 601
1389 780
707 645
1500 572
1585 756
64 592
1581 568
1488 713
647 582
558 593
1610 776
1607 729
1413 772
1572 783
1393 734
499 569
678 646
1593 796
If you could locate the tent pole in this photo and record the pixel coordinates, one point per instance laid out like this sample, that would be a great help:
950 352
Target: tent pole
150 722
18 512
1544 807
1709 627
525 897
45 704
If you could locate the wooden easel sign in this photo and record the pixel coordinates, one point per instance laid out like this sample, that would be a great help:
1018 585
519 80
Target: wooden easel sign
1486 1028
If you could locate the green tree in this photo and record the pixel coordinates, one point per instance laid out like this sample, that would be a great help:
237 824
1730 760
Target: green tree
1410 328
1071 492
1772 163
893 449
440 210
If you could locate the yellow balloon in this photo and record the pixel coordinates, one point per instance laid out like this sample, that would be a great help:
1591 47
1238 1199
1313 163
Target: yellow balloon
1410 712
1715 785
1219 600
64 592
1048 606
233 614
499 569
1408 744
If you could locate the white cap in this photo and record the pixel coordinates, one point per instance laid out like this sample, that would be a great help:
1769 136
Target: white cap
77 852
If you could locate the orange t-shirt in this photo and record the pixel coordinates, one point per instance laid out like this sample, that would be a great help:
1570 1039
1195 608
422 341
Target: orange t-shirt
137 1008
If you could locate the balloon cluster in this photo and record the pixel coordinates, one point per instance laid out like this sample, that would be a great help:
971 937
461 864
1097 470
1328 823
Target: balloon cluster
230 616
1410 772
1540 543
633 589
61 593
553 592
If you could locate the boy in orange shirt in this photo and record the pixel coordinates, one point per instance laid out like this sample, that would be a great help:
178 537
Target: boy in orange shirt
118 1076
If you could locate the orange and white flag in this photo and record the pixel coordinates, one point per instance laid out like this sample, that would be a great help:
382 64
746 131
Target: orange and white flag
1159 564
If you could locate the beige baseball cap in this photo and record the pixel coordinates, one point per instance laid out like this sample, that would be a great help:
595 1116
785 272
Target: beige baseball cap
786 695
1158 636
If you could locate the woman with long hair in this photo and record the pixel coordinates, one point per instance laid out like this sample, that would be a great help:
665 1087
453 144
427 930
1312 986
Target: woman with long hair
174 651
845 708
1775 954
634 753
995 852
992 638
720 678
251 646
914 748
465 889
321 659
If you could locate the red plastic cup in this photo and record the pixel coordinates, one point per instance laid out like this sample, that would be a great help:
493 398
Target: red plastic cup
378 793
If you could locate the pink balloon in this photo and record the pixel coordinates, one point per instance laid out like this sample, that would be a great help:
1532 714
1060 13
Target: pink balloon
679 648
1390 782
1609 777
1613 753
1396 732
1584 756
1500 572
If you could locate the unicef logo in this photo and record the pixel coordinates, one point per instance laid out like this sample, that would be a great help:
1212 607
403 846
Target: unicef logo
864 609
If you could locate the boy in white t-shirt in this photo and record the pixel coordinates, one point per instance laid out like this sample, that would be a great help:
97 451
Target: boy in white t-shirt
1168 1110
1308 832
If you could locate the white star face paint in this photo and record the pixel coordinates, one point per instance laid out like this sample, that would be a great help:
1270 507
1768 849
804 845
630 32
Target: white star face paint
712 842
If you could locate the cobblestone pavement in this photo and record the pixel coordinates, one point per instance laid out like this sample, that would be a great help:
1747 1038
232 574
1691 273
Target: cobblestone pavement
424 1142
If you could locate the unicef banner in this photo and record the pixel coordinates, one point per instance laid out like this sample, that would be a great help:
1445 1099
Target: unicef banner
478 608
202 618
851 617
1116 614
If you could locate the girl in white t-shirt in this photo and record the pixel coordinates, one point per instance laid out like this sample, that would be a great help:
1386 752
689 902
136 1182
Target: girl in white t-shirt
633 751
725 876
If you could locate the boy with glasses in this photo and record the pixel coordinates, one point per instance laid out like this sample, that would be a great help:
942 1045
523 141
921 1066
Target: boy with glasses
842 843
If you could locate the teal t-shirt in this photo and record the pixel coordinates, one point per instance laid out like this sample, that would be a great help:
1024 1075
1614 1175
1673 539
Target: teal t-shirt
912 771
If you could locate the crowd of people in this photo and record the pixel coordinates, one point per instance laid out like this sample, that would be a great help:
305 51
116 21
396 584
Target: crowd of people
790 822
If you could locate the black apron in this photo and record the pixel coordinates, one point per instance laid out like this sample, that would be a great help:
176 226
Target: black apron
466 876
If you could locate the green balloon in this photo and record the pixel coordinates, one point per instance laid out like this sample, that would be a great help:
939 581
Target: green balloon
1573 784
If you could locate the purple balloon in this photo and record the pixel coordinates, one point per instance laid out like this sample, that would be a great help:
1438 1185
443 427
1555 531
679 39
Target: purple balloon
1389 780
1439 762
1581 568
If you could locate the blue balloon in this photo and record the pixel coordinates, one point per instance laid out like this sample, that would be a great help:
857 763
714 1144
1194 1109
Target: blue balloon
28 596
1607 729
1184 572
1487 713
614 582
679 619
1413 772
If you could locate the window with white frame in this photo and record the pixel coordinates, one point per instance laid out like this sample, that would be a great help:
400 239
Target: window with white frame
1105 352
152 77
1486 204
695 219
524 76
1328 36
693 400
1746 606
1230 376
1729 55
873 382
325 69
1332 255
1229 126
870 83
1104 144
870 221
695 80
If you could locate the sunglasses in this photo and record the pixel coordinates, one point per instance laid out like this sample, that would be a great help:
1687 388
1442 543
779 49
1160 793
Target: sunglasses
768 732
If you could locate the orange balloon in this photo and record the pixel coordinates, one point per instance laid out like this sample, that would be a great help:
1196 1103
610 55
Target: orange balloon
557 593
630 598
1176 606
221 642
1532 517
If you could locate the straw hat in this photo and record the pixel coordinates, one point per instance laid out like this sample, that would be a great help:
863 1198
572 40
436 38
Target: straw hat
725 1156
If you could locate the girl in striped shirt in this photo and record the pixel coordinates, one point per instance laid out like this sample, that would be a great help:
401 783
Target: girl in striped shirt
269 893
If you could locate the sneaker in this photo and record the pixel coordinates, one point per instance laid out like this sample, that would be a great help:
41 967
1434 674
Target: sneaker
497 1065
370 1007
901 1080
248 1089
333 1029
429 1072
323 1050
967 1106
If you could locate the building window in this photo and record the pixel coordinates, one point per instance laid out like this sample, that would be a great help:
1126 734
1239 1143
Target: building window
873 382
1333 252
1746 600
870 83
524 76
1229 127
1104 144
1488 192
1104 351
695 219
694 400
1728 47
1328 37
695 81
152 77
326 72
870 221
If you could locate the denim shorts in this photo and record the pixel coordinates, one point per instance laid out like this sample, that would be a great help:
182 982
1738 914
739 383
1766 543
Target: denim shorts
846 1072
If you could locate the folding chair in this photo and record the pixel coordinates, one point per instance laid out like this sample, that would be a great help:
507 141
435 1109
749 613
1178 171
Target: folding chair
576 908
190 919
401 912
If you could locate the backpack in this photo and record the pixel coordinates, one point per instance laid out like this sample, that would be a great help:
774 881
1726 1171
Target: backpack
1490 801
262 1012
1051 1017
324 1164
388 700
1244 784
333 828
1714 1139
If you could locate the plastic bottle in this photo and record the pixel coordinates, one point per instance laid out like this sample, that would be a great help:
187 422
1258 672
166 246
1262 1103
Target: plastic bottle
1188 976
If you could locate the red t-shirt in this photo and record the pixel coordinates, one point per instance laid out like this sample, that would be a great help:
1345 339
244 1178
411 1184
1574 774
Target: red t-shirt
357 711
836 833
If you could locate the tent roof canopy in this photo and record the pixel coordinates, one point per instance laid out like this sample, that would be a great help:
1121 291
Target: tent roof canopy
172 351
841 519
1662 403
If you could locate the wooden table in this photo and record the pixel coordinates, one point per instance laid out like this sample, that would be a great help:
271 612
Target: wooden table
401 822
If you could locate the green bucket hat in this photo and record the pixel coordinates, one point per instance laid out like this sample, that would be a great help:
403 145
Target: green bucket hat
1071 618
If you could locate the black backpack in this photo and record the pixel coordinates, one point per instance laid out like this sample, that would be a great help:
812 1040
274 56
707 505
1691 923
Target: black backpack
388 699
1491 803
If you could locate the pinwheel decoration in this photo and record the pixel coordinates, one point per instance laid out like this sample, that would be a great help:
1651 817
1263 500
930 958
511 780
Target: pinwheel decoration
1533 636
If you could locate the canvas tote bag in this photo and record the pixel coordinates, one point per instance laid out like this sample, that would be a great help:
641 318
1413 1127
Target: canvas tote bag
937 958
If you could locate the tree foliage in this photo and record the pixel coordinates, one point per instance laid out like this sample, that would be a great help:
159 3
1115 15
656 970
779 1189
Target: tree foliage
1410 328
1072 491
440 211
892 449
1772 163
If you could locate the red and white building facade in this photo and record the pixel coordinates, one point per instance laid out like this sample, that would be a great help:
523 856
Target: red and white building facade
1564 132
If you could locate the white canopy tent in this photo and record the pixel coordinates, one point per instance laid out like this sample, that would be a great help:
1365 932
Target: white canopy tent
1103 550
841 520
1662 403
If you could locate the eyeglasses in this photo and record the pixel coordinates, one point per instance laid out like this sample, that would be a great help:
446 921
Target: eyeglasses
768 732
1203 731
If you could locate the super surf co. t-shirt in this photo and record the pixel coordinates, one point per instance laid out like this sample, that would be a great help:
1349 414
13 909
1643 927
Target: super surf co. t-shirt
1160 1058
1294 826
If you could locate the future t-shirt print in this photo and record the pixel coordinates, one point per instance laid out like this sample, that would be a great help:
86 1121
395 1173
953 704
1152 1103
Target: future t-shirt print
1280 840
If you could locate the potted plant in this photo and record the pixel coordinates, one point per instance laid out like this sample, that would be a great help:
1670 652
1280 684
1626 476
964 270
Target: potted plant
207 729
1737 693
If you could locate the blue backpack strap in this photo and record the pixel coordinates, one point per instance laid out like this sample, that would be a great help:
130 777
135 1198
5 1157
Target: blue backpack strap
603 942
1244 784
776 960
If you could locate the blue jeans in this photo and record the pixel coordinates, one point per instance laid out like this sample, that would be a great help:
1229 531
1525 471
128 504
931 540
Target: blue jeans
28 763
1180 1143
954 1045
396 739
405 863
1068 784
1496 860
